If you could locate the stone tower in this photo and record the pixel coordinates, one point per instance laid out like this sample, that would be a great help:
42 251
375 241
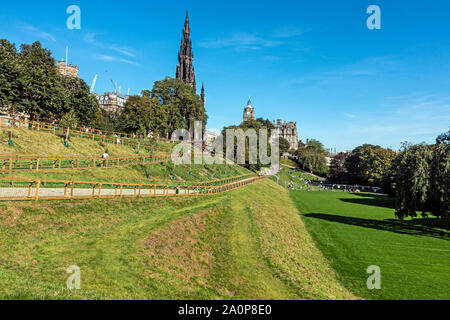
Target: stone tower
185 69
249 112
202 96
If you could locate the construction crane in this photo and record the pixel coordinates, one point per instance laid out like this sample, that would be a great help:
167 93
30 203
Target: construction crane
93 83
114 85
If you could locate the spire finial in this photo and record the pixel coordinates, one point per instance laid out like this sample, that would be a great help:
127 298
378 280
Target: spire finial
186 30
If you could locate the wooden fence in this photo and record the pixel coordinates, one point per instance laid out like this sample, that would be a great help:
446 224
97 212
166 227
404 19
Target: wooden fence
55 175
92 134
34 190
13 163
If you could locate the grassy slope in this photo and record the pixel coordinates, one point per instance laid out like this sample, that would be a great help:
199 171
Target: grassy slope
159 173
247 244
288 162
287 175
356 230
40 143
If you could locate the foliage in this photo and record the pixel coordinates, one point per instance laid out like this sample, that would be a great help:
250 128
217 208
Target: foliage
443 138
140 115
30 84
367 164
180 104
69 121
439 193
312 158
254 125
11 77
420 179
75 95
338 171
412 179
284 145
311 161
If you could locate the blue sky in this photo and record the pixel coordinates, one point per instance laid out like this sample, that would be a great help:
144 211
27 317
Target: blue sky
312 62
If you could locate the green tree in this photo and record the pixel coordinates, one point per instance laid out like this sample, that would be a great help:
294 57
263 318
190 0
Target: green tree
74 94
41 92
443 138
252 125
312 161
69 121
316 146
439 192
284 145
338 172
183 105
11 78
411 169
312 158
367 164
135 117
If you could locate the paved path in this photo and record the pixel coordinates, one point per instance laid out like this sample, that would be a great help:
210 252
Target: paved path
25 193
84 192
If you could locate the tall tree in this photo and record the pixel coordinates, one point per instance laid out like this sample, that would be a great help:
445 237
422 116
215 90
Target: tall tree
75 95
11 78
338 172
284 145
41 89
412 179
367 164
439 192
312 158
182 103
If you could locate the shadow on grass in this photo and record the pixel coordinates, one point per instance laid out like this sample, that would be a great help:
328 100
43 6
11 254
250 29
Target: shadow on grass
372 200
411 227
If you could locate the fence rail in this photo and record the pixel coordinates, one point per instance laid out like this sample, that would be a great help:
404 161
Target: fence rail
14 163
92 134
34 190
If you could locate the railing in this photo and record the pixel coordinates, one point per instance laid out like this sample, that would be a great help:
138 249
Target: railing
92 134
28 189
12 163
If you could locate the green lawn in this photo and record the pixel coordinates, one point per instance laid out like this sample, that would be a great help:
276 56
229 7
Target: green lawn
355 231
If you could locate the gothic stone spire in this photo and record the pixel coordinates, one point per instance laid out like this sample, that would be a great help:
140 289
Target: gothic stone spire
185 69
203 93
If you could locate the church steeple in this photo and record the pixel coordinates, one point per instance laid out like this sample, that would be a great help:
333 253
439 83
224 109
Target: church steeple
249 112
185 68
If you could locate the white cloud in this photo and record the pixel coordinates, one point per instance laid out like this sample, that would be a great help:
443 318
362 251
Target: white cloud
109 58
240 40
91 38
39 33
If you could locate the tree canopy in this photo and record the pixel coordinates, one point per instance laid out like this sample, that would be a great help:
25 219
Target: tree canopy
30 84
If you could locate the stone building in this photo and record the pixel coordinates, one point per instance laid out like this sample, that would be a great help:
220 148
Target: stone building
249 112
112 101
185 68
67 70
288 130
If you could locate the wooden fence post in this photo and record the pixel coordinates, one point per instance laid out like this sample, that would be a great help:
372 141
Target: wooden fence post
37 189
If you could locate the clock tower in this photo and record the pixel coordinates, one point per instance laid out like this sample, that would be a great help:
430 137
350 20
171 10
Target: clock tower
249 112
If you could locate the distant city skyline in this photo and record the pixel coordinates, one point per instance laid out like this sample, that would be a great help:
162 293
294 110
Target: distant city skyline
314 63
